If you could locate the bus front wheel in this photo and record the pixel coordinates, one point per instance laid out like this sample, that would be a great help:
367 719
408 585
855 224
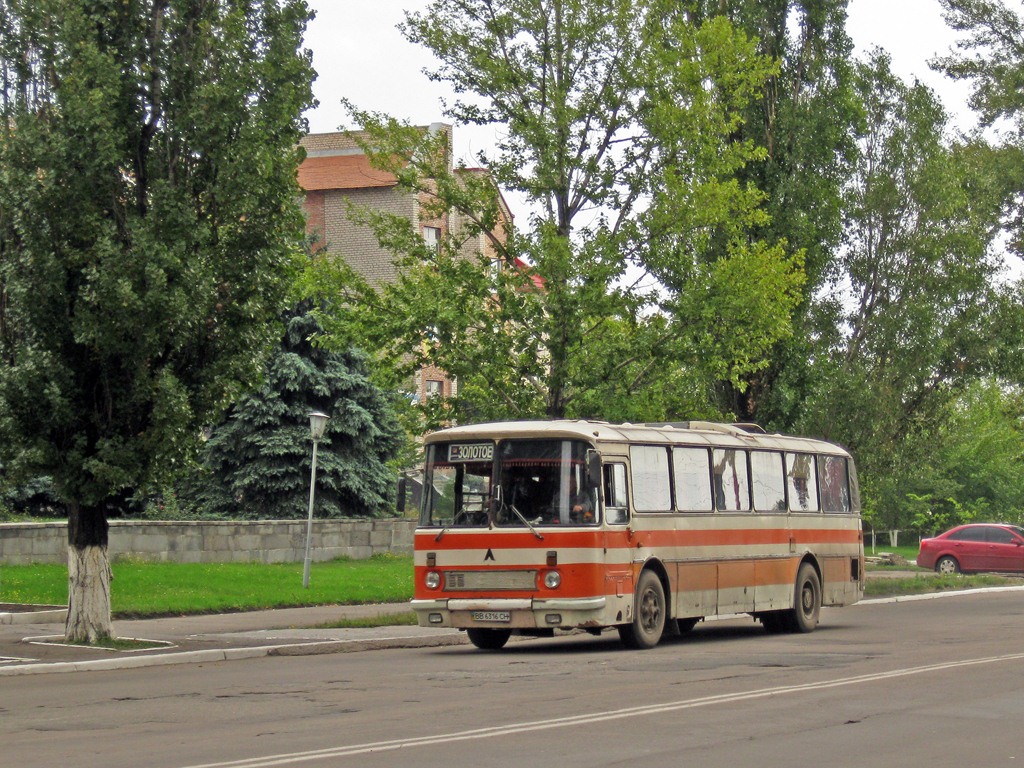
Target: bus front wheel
648 614
489 639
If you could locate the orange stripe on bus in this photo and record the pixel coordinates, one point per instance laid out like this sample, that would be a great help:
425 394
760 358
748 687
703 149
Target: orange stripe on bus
626 540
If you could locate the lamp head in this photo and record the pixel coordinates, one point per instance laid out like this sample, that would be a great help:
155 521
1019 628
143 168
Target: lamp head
317 422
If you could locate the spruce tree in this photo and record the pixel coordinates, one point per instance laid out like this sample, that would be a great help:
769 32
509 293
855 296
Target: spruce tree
258 460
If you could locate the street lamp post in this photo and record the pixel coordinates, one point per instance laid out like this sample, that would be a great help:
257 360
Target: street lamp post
317 422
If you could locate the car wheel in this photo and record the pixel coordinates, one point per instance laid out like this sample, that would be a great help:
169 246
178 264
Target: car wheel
947 565
489 639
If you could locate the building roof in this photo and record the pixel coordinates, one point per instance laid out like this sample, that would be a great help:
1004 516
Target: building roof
535 278
347 171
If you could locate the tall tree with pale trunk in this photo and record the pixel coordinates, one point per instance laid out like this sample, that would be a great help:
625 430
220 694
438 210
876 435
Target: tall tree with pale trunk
148 218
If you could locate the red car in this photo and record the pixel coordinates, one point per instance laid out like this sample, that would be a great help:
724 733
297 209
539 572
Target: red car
975 547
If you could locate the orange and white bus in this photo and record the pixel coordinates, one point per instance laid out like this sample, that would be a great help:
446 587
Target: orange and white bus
536 526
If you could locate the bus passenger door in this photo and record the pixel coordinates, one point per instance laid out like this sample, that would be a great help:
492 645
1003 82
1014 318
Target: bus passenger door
618 553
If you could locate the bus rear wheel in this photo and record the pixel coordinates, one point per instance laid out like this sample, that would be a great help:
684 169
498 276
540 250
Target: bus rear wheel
648 614
489 639
806 600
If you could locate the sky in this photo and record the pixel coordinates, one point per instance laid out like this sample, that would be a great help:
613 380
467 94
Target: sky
360 55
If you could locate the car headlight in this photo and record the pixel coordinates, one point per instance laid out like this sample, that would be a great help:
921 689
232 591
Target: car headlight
432 579
552 579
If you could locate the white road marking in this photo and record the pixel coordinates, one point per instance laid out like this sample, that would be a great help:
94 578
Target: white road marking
596 717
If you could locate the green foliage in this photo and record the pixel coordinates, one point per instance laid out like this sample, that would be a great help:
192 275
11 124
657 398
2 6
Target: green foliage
992 60
148 224
971 472
34 498
257 462
804 120
916 313
620 128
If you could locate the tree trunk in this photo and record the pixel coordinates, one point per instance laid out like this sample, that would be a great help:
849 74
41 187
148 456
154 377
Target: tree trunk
89 577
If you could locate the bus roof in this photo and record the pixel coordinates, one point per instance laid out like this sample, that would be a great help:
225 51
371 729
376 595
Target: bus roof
600 432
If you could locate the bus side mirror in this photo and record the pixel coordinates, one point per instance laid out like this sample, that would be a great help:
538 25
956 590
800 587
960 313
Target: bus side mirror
594 468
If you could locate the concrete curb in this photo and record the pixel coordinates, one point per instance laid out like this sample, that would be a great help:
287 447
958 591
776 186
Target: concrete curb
936 595
53 616
234 654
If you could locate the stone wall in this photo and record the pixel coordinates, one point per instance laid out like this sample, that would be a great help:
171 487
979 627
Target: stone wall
274 541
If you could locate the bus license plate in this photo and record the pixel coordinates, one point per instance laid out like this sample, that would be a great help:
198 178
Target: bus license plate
491 616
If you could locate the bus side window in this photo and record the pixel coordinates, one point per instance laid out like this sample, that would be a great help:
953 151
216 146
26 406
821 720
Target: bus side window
802 482
834 484
616 500
732 485
768 477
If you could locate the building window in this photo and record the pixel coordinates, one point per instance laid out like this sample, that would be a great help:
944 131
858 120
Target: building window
432 237
433 388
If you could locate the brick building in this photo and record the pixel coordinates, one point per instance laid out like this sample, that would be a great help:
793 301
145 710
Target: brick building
337 172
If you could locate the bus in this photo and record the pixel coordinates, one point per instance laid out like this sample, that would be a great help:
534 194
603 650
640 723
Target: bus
534 527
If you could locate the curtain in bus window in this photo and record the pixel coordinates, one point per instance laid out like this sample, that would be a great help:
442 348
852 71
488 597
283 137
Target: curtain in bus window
692 470
801 482
732 488
835 486
769 481
649 467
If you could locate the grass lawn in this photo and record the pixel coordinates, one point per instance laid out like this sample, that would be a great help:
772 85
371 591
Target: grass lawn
910 580
166 589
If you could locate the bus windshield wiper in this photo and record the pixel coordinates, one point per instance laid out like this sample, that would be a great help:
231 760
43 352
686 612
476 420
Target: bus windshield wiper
526 522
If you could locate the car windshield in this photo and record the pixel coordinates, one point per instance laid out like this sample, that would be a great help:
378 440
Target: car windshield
514 483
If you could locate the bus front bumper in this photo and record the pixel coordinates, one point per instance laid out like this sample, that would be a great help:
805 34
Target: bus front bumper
513 613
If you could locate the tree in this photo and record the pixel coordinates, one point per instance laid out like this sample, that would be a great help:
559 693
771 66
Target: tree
619 121
995 37
973 471
918 308
148 218
805 120
258 460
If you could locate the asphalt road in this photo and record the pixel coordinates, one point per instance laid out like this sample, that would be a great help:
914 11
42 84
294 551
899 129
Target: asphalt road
924 683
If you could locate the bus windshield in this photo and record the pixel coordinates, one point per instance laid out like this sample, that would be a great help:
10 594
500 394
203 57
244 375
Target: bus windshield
512 483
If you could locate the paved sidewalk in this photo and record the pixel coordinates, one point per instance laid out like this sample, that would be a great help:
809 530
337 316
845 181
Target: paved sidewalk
32 642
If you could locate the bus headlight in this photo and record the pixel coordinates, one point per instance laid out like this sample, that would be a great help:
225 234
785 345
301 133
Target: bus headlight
432 579
552 579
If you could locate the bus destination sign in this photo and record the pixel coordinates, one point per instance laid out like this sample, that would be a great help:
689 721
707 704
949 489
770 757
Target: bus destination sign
470 452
